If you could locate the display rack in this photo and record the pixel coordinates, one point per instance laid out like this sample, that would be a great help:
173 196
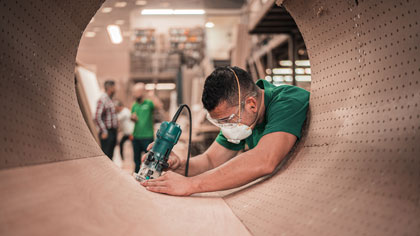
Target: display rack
189 43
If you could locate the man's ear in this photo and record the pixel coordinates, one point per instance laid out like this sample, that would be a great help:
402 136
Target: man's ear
251 102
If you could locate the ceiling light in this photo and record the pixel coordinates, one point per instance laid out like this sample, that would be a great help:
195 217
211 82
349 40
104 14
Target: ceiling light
303 63
303 78
300 71
173 12
106 9
157 12
119 22
209 24
282 71
189 12
120 4
90 34
286 63
160 86
141 3
114 33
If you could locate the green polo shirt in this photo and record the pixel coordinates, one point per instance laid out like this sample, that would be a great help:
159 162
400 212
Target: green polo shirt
143 128
285 111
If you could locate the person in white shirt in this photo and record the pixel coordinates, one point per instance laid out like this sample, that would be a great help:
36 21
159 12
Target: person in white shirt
125 123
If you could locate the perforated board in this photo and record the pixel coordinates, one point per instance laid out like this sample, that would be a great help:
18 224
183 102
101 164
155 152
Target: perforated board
357 171
40 118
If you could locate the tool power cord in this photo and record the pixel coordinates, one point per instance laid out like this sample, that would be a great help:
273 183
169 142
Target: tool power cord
190 132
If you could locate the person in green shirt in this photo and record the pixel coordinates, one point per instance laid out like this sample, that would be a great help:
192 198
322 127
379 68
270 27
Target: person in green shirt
142 115
267 118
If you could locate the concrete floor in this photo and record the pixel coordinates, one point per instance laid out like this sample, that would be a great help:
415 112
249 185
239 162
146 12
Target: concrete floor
128 163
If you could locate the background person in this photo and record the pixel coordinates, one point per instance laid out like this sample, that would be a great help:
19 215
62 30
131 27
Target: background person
106 119
126 125
142 115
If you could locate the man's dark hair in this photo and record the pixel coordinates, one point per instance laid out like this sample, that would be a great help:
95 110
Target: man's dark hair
221 86
108 84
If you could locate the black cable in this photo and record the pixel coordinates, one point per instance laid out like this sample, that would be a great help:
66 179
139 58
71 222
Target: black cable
178 112
189 144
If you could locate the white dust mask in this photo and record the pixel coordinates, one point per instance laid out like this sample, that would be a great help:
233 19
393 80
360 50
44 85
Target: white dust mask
234 133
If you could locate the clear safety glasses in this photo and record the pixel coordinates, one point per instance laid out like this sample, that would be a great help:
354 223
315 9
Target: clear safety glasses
223 121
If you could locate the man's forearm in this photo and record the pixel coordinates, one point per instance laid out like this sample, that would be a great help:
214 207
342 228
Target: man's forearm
238 171
199 164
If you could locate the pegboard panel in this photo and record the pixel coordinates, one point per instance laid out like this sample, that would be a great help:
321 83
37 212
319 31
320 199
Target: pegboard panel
357 171
40 119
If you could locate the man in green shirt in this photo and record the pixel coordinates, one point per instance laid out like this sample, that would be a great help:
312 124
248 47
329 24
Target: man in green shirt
268 119
142 115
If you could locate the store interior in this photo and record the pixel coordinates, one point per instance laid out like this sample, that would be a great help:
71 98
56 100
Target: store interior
172 46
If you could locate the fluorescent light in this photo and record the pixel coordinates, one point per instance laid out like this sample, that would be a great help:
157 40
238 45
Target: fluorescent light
286 63
277 78
303 63
308 71
114 33
209 24
189 12
160 86
106 9
298 63
90 34
300 71
120 4
282 71
303 78
141 3
119 22
172 12
157 12
288 78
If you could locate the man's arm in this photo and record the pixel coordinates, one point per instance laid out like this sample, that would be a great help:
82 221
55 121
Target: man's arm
242 169
215 155
98 117
157 103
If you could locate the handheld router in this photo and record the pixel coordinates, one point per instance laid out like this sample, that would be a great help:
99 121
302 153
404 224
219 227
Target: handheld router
157 158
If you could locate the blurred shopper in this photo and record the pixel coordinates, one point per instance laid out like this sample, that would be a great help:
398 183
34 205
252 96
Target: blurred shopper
125 124
142 115
106 119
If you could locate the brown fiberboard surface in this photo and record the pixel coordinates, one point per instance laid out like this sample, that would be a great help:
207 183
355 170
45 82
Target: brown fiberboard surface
41 120
357 171
92 196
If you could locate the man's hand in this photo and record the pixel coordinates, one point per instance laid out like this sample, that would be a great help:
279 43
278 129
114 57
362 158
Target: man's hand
170 183
175 163
134 117
104 135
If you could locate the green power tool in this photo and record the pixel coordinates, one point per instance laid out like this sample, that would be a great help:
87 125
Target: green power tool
166 138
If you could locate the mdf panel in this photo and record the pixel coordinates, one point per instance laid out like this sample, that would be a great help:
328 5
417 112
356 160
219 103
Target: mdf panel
357 170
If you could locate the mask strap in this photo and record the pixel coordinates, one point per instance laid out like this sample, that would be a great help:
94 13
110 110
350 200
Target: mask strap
239 91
